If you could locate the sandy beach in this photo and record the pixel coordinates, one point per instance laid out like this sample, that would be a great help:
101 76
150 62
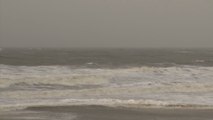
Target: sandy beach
105 113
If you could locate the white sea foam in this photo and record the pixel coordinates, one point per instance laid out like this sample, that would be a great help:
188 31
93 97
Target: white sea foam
199 61
155 86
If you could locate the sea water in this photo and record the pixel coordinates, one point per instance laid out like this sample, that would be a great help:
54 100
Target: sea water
112 77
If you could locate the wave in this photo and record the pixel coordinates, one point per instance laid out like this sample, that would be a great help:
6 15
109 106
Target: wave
65 75
131 103
146 86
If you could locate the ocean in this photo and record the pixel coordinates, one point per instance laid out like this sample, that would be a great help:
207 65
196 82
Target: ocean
108 77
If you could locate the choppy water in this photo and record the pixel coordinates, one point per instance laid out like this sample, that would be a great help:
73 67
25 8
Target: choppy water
150 77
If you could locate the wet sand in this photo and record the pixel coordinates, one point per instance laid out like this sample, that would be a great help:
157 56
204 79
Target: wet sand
105 113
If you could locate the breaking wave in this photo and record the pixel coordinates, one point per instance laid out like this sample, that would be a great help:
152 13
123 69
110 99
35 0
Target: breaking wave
178 86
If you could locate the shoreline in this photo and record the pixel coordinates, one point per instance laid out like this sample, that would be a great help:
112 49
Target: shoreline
97 112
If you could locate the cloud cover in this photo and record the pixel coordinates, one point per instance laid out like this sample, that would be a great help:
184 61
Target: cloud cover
106 23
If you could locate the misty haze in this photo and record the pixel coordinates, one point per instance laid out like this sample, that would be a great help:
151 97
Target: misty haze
106 23
106 59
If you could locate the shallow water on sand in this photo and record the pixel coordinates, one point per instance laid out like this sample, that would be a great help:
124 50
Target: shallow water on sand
105 113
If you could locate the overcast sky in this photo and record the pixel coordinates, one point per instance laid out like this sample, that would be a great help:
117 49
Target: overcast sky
106 23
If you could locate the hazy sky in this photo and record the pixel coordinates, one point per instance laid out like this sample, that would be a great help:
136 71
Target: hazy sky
106 23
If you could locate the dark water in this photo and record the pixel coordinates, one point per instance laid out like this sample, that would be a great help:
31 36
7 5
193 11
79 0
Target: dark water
107 57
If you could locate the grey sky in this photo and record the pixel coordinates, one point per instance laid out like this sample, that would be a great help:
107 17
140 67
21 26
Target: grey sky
106 23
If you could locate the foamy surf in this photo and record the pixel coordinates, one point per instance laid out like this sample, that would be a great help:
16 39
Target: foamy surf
105 102
178 86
